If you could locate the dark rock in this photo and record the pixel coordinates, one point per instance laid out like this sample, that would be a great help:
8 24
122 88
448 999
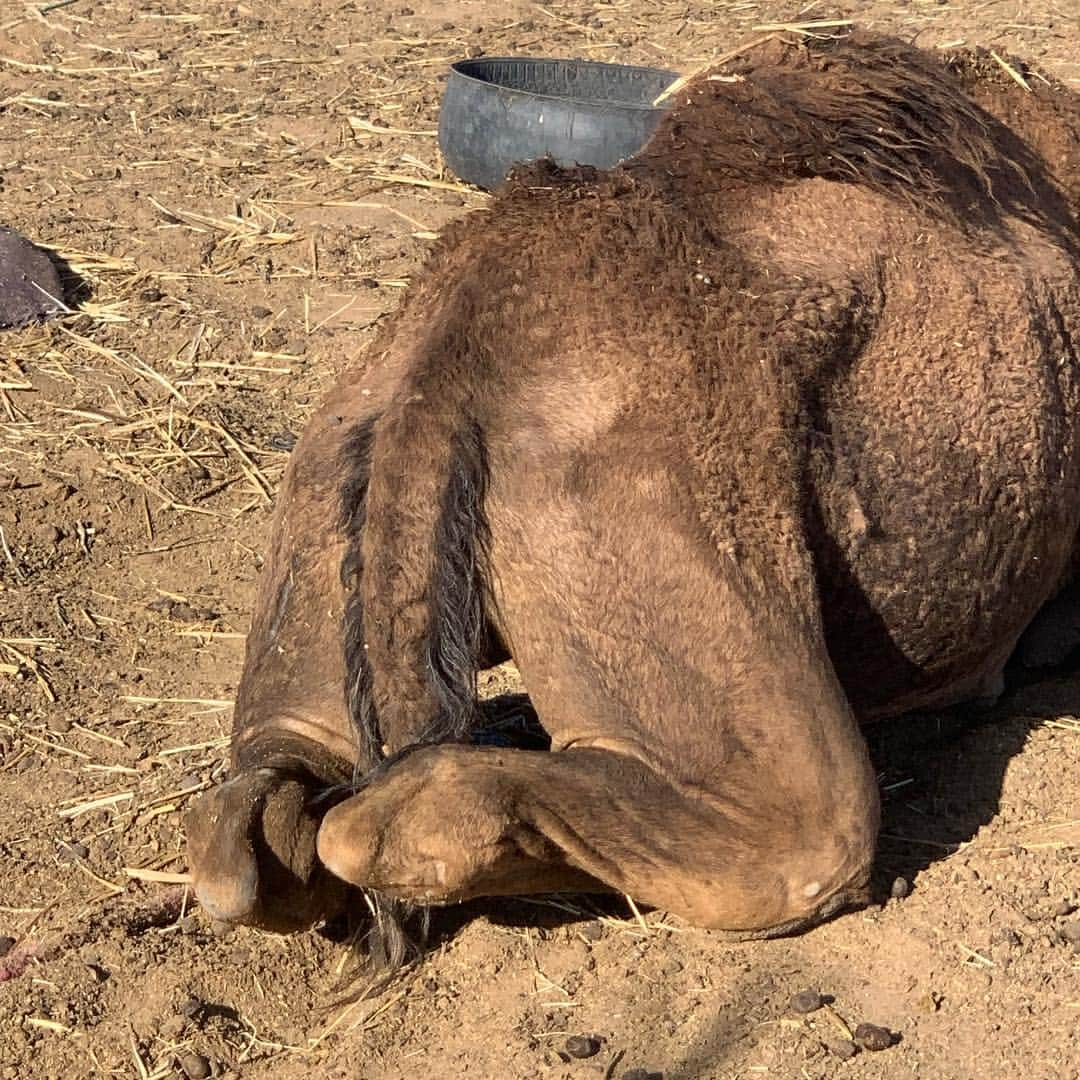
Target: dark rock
806 1001
30 287
871 1037
582 1046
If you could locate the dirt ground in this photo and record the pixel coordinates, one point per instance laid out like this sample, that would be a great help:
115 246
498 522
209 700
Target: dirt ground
240 192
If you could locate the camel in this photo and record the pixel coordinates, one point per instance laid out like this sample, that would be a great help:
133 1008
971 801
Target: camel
766 435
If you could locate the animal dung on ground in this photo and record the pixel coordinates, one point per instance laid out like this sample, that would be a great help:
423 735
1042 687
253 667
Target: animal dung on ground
872 1037
807 1001
844 1049
30 287
582 1046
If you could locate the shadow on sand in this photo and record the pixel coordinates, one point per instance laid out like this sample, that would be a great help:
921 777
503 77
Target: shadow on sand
941 777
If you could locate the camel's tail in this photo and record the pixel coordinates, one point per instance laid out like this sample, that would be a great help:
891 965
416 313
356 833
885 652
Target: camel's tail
415 575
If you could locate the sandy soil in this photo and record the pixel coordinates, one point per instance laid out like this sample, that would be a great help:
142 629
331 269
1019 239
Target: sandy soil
240 192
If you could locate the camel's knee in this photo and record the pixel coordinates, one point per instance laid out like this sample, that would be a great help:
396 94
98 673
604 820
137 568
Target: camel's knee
779 889
833 873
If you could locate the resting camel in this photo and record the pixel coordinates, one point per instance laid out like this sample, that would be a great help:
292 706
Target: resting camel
771 432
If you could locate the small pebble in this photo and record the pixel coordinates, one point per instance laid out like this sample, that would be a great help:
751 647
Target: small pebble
151 295
582 1046
220 929
190 1007
844 1049
172 1027
73 852
189 924
283 440
1071 931
58 724
194 1066
261 312
872 1037
48 534
806 1001
6 944
901 887
592 931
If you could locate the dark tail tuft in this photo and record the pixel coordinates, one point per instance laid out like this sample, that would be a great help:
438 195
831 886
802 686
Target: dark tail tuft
357 467
460 597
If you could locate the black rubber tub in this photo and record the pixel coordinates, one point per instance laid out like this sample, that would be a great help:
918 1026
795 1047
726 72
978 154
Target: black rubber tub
498 111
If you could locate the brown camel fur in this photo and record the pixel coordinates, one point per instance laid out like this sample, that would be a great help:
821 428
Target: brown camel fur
773 430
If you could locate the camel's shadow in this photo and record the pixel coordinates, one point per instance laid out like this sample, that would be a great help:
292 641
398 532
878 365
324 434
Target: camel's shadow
942 773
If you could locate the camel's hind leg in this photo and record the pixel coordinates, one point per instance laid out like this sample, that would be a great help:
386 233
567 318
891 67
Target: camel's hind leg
705 760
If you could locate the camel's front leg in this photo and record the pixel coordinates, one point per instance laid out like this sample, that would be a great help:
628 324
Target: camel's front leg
448 823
